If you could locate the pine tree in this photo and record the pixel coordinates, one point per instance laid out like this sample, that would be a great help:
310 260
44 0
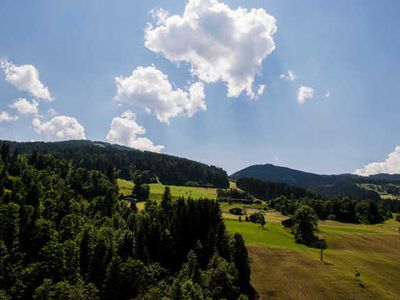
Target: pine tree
240 258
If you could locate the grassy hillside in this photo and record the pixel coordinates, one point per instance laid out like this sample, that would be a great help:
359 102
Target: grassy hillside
282 269
157 190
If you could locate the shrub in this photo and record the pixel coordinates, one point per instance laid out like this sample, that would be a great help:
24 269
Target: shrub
236 211
257 218
331 217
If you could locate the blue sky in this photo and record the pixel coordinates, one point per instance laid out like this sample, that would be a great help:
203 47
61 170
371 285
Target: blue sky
347 48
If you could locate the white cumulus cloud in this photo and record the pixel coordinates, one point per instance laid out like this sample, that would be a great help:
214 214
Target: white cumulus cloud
24 106
25 78
304 93
150 88
125 131
6 117
60 128
391 165
219 43
289 76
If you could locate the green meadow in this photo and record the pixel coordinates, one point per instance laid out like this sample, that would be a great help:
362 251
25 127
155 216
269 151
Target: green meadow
157 190
282 269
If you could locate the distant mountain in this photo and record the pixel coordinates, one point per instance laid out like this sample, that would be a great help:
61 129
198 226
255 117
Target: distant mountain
385 177
105 157
326 185
274 173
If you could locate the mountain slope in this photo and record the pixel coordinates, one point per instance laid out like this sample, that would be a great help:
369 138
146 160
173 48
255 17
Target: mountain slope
333 186
105 157
289 176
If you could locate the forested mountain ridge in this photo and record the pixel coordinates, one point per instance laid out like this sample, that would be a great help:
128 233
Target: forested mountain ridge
107 157
332 186
289 176
306 179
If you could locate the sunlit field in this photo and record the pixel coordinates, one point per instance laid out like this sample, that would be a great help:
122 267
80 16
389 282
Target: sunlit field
157 190
282 269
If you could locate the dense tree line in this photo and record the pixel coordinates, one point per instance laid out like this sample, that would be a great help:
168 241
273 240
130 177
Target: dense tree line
287 199
64 234
343 210
392 205
349 190
125 161
266 190
232 193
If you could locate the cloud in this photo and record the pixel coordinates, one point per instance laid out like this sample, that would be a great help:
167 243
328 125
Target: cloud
52 112
60 128
25 78
327 94
304 93
289 76
125 131
219 43
260 90
6 117
150 88
391 165
24 107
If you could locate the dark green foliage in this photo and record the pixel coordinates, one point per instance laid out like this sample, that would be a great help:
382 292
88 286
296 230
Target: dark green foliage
343 210
240 258
126 162
141 192
398 218
65 290
347 189
65 234
305 224
236 211
392 205
257 218
268 190
367 212
219 279
330 186
9 225
233 194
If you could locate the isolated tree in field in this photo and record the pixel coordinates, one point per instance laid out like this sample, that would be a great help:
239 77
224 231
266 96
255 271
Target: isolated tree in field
305 224
258 218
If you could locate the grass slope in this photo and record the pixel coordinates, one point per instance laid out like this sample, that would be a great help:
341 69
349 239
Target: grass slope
282 269
157 190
